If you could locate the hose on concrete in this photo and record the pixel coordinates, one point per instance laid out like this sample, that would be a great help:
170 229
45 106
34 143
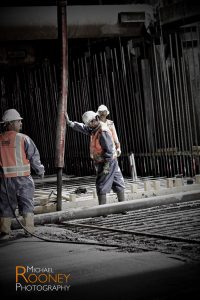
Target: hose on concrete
43 238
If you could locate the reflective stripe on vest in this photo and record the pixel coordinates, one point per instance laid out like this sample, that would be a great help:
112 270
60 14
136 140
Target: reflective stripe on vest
12 155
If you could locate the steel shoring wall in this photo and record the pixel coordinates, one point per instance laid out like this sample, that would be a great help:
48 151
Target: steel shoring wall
152 100
114 78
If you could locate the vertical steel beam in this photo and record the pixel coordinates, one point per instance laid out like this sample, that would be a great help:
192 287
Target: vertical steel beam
62 101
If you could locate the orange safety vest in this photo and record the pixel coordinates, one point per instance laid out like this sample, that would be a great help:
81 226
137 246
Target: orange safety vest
96 151
12 154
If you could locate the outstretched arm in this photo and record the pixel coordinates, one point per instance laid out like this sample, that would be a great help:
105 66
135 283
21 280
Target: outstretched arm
80 127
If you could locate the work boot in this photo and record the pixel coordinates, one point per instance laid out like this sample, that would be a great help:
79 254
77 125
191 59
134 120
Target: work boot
29 222
102 199
121 196
5 225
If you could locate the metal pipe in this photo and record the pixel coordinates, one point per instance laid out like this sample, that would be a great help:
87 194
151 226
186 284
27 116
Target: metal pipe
113 208
62 103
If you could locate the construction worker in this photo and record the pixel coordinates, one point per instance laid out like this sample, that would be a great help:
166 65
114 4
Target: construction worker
18 154
103 153
103 113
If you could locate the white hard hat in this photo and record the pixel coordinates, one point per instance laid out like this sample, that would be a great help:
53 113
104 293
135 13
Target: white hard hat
88 116
11 115
103 108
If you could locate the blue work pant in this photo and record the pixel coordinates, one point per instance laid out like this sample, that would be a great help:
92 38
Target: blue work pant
113 180
21 191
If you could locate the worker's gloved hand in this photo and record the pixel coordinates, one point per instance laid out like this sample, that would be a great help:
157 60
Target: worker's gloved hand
69 123
106 168
67 117
118 152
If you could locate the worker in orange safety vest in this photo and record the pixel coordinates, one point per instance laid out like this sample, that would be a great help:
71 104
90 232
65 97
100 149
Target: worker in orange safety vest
18 154
103 153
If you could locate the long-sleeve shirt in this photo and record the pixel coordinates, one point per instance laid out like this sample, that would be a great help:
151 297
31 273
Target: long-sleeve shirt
33 155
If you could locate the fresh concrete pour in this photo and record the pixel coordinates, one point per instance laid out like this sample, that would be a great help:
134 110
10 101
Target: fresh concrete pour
95 271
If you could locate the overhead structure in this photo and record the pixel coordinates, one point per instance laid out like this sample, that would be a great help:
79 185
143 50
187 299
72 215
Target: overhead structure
178 13
92 21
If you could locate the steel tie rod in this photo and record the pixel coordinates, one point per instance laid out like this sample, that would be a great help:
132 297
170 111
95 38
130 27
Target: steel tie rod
153 235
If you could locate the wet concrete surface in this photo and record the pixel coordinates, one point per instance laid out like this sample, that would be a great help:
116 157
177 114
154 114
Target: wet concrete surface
95 272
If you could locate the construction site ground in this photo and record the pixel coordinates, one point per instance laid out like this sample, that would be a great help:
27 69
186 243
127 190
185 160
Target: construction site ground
101 271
